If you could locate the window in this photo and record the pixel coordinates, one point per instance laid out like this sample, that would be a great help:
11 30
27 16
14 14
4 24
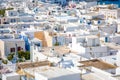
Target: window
33 1
33 5
12 49
19 11
13 20
111 53
93 42
37 18
2 32
11 14
19 48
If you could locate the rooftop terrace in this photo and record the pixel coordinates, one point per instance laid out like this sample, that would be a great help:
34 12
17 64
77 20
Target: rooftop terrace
50 72
32 64
98 64
60 50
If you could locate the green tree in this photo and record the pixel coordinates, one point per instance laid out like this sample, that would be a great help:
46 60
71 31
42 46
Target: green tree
22 54
27 55
56 44
2 11
56 41
9 9
4 61
10 56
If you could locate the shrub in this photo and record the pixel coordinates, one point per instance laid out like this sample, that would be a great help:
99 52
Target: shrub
22 54
56 44
2 11
4 61
10 56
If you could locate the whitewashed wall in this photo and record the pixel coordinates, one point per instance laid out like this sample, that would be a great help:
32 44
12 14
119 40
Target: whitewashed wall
102 74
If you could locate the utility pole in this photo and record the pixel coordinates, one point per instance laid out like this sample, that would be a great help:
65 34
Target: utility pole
16 51
0 63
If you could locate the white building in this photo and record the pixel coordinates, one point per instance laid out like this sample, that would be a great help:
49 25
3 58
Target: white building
89 45
35 50
52 73
110 13
11 13
31 3
66 18
9 46
11 76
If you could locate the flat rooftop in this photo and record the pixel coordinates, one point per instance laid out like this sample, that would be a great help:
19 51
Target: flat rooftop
11 40
90 76
112 46
11 74
91 14
117 77
66 17
88 36
59 50
98 64
49 72
32 64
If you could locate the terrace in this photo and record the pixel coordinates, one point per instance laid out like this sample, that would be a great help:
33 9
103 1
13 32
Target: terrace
97 64
56 50
32 64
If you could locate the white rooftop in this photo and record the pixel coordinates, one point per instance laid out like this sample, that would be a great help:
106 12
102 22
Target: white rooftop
11 74
13 40
91 76
50 72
